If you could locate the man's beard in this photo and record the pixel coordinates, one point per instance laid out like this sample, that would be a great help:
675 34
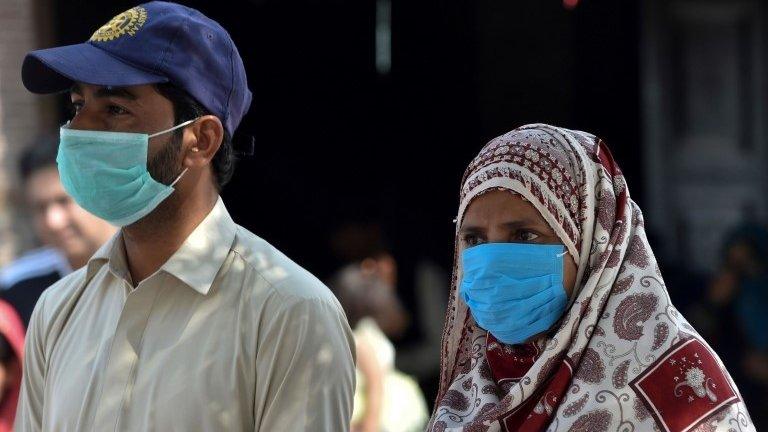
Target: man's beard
165 166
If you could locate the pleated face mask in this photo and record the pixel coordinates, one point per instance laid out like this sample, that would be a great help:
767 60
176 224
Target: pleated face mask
514 290
106 173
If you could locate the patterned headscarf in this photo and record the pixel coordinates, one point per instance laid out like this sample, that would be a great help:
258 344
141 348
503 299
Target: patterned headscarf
621 358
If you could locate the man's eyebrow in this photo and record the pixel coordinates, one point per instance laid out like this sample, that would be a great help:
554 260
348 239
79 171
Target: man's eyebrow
106 92
118 92
76 89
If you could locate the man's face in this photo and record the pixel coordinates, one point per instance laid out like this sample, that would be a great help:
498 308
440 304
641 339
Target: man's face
140 109
59 221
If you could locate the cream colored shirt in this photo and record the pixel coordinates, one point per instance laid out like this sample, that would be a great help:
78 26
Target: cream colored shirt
229 335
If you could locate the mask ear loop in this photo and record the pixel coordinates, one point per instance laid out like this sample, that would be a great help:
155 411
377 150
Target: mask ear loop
180 125
562 254
179 177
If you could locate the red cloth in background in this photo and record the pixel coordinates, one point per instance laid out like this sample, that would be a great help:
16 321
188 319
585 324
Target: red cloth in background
13 331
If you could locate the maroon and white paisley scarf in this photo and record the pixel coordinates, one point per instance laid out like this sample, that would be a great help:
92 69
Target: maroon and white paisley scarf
622 358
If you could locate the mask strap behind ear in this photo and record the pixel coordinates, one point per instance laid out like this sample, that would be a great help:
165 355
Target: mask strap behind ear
174 128
179 177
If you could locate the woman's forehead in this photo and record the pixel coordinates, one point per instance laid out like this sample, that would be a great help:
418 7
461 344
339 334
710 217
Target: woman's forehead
501 206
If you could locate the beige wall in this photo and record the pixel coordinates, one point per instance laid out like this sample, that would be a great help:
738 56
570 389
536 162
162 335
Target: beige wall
24 25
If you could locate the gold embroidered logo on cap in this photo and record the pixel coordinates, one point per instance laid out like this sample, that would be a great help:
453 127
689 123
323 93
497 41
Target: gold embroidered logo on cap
128 22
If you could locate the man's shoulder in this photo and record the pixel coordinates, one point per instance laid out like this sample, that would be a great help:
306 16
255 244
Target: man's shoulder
58 295
282 274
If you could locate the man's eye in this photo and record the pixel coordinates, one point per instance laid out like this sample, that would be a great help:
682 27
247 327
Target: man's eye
64 200
117 110
40 208
75 107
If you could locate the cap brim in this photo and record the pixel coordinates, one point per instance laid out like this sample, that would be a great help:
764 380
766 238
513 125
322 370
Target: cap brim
56 69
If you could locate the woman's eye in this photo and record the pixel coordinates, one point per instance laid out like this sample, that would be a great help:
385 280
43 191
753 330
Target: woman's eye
528 236
472 240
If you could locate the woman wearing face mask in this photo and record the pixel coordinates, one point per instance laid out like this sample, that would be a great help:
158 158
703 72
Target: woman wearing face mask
559 318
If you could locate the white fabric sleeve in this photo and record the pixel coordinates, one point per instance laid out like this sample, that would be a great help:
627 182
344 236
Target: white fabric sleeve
305 371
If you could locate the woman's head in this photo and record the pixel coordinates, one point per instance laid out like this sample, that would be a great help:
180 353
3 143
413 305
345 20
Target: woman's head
544 165
525 190
537 205
502 216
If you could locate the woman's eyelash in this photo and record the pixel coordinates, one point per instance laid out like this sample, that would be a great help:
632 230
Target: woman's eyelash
471 238
518 236
526 235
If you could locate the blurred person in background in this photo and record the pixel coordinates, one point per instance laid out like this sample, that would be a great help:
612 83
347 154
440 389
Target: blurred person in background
70 234
11 359
385 399
413 320
559 318
364 245
183 320
739 298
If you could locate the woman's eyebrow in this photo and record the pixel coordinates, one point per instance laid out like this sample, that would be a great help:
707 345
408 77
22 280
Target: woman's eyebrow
526 223
471 229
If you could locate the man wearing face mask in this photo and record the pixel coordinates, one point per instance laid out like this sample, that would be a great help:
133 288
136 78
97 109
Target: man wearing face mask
184 320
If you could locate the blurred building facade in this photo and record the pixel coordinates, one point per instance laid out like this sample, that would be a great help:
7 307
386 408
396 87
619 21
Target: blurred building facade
677 88
705 148
24 25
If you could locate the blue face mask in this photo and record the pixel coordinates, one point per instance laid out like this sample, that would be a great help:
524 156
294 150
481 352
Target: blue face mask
106 173
514 290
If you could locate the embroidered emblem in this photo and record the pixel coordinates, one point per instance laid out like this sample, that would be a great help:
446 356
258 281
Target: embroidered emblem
128 22
699 383
687 375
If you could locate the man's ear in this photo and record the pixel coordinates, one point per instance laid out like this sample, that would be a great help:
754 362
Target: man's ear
202 140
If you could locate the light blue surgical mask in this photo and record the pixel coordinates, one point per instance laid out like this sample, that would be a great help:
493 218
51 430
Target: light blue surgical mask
106 173
514 290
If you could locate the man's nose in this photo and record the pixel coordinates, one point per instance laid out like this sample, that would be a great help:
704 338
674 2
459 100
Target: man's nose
87 119
56 217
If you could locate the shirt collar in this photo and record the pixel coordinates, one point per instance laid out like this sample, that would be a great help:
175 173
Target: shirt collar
110 253
197 261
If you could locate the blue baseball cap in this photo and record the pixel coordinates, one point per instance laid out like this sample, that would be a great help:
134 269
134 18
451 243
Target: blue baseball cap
155 42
